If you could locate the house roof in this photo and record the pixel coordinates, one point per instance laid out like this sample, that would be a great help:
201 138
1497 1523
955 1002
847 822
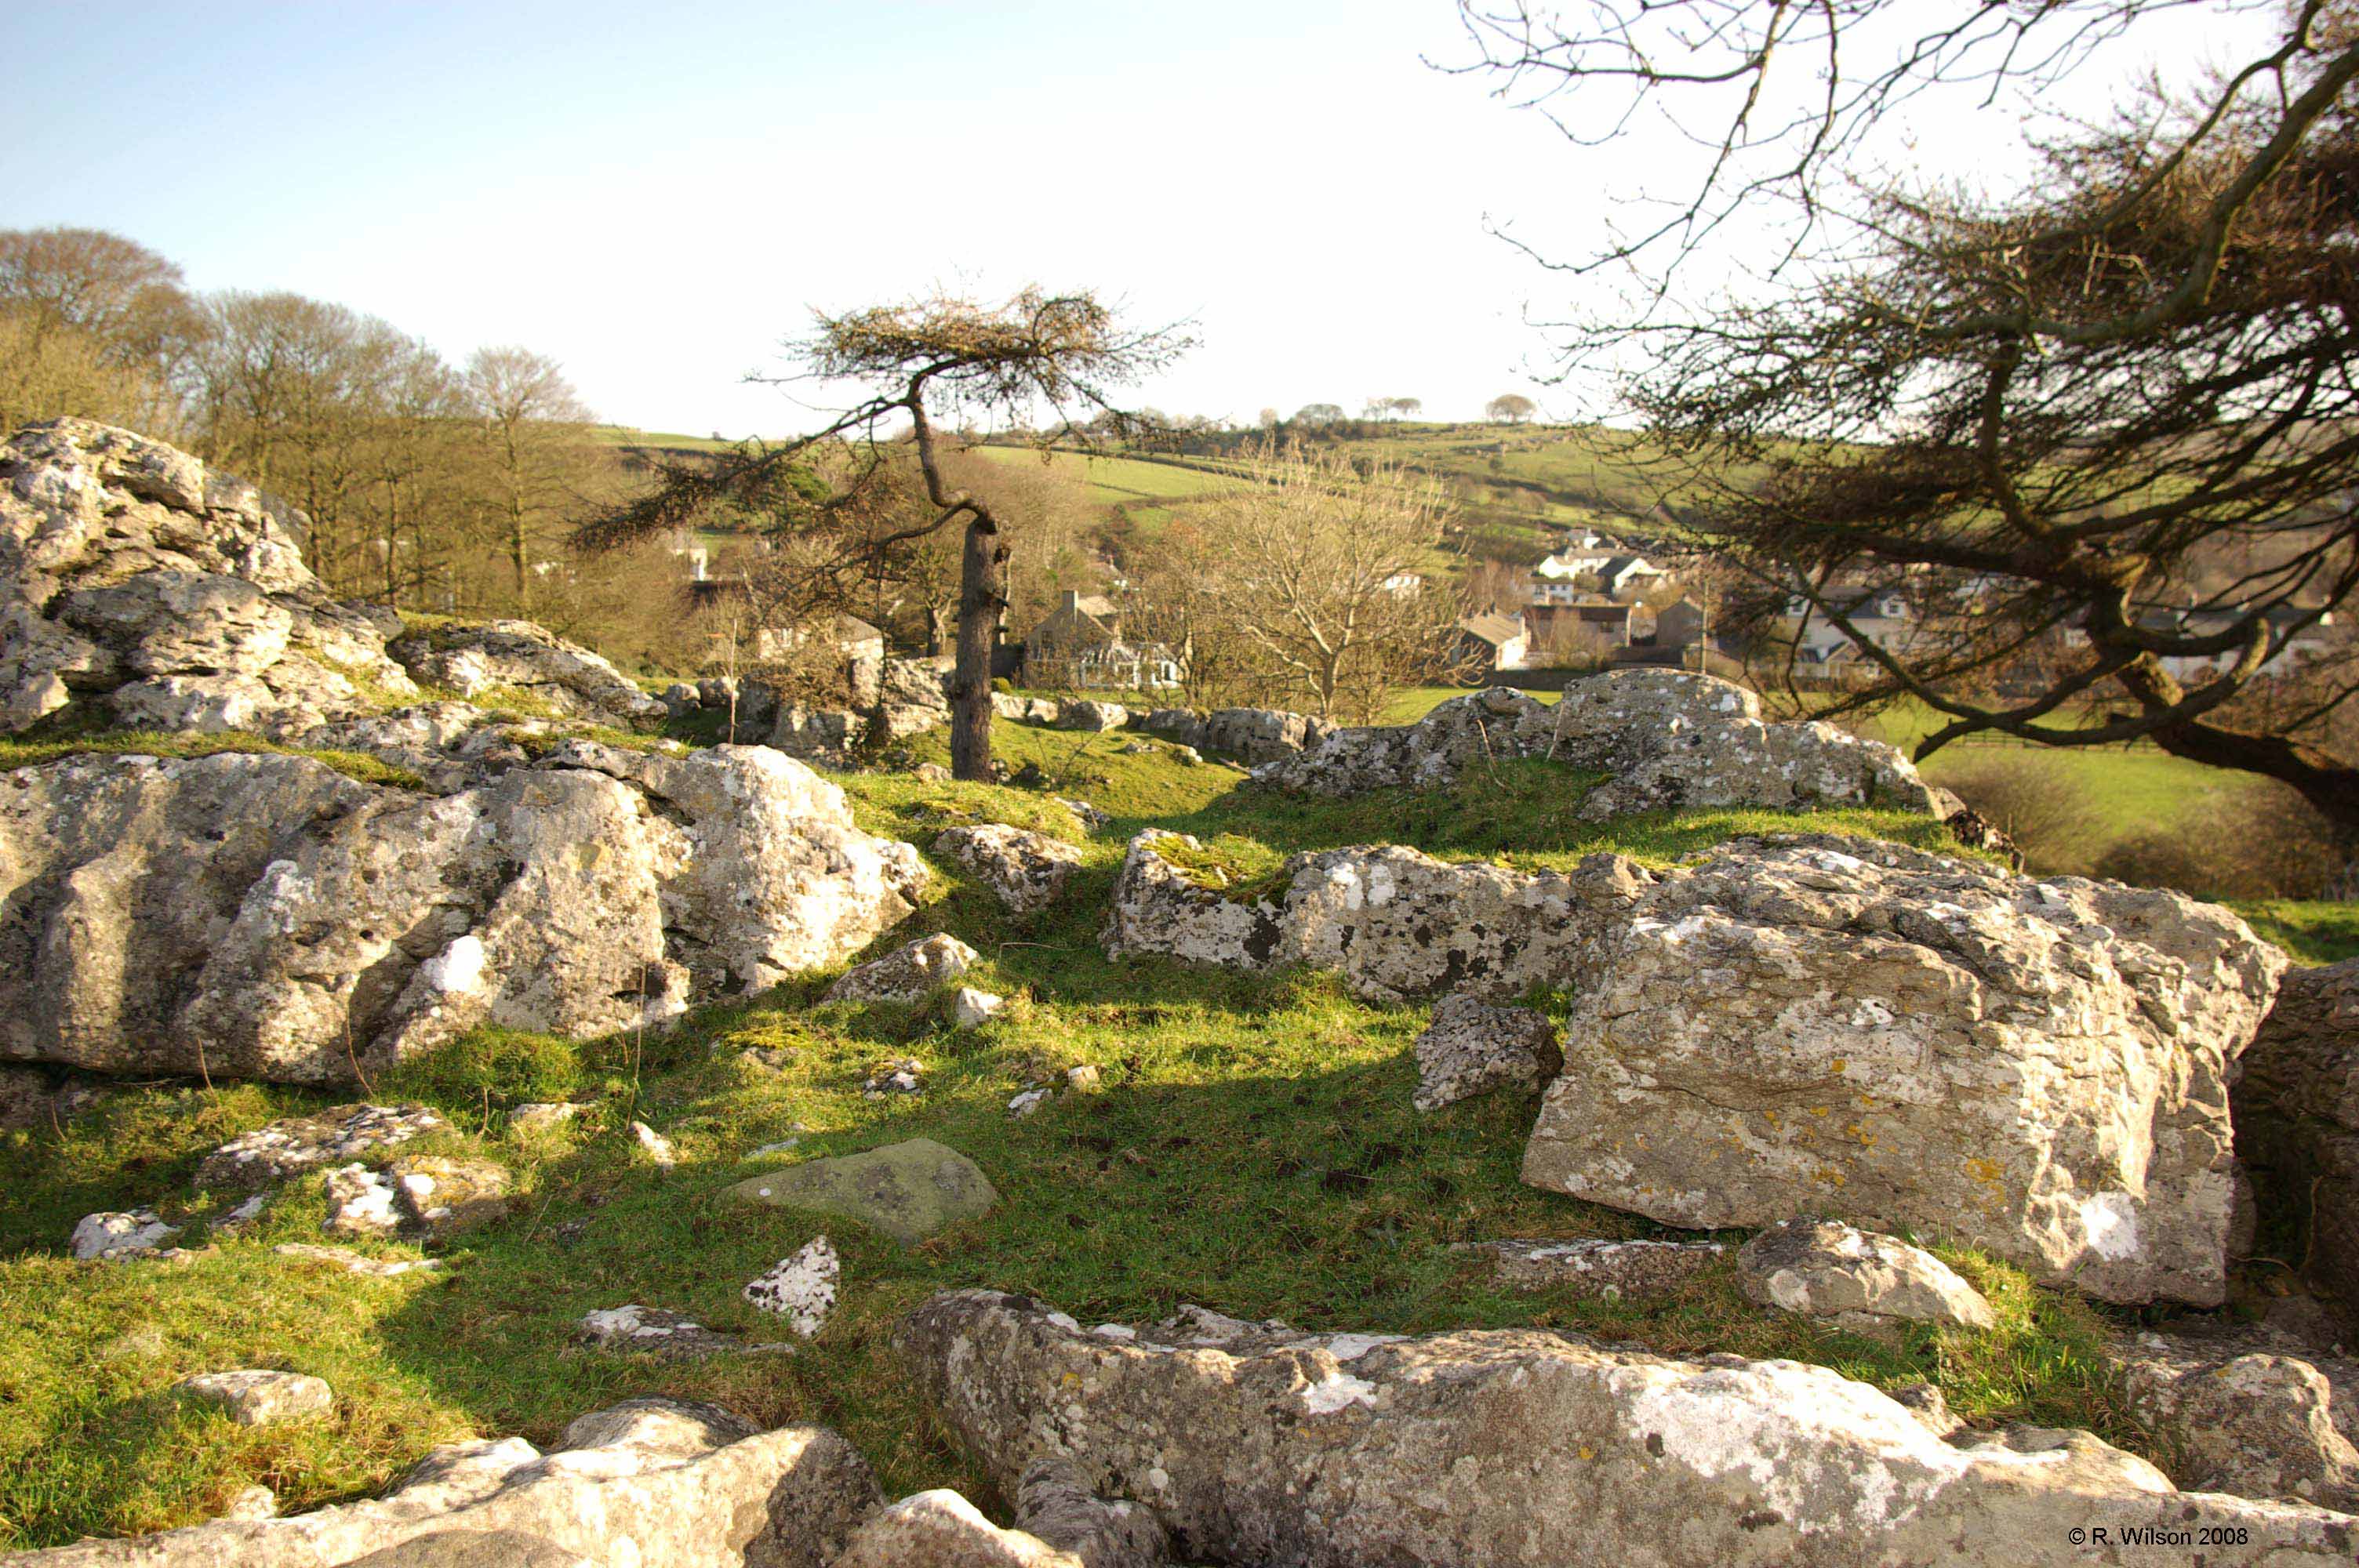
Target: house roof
1495 630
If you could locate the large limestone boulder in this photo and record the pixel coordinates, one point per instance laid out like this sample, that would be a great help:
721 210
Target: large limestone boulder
1249 735
651 1481
1394 922
1510 1448
517 656
1839 1026
265 916
1665 738
2243 1418
1026 871
2297 1113
167 595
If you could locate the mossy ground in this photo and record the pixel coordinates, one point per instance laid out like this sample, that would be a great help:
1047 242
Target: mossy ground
1251 1147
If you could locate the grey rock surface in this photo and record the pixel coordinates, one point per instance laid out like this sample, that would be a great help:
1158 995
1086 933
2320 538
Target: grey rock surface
1511 1447
1822 1269
259 1396
908 1190
648 1490
2296 1114
519 656
1469 1047
909 973
265 916
1597 1267
1909 1043
2241 1414
111 1235
1025 871
294 1144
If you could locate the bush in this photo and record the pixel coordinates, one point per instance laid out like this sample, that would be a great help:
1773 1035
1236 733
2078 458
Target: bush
2262 843
2036 799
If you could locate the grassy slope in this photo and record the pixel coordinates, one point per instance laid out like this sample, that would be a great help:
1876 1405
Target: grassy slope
1252 1149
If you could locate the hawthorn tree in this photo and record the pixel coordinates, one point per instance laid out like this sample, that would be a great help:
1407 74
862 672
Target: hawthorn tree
2099 427
1510 408
1040 361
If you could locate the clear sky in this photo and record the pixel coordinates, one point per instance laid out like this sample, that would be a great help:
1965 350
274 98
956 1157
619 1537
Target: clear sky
656 196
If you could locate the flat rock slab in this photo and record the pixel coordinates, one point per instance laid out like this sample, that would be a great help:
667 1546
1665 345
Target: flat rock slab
260 1397
1599 1268
1856 1277
907 1190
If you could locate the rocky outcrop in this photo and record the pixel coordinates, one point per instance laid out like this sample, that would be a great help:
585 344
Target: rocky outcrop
1799 1025
265 916
649 1481
1249 735
520 658
2245 1417
909 973
1515 1446
294 1144
1859 1280
1664 739
1024 871
167 595
1395 922
1468 1048
2296 1114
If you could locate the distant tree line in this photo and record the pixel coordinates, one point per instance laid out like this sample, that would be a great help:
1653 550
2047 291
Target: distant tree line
430 486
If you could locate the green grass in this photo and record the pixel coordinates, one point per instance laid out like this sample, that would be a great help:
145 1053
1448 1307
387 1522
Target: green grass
1252 1147
24 753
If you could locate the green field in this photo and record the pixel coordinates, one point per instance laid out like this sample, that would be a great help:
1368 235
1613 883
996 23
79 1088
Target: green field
1251 1147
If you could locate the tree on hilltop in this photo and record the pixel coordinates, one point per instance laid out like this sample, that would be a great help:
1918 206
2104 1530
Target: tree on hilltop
2099 429
1510 408
940 359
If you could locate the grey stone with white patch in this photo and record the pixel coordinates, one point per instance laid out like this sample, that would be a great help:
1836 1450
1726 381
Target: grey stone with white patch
1515 1447
110 1237
909 973
1468 1048
259 1396
1820 1269
295 1144
801 1289
1024 871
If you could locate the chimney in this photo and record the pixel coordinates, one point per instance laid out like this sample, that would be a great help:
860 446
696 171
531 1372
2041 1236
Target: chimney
1073 600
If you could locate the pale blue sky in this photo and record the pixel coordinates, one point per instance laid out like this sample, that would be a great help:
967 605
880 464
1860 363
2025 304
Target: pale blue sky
654 196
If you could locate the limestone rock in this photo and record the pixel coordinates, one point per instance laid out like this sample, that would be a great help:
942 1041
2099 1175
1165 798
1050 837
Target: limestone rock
35 1099
1395 922
1087 815
933 772
828 736
1596 1266
256 1396
908 1190
418 1196
362 1203
294 1144
1510 1448
167 595
648 1491
1249 735
265 917
2256 1423
971 1008
1055 1503
654 1145
109 1237
518 656
659 1332
909 973
1666 737
1024 871
2037 1068
901 1076
1090 715
1469 1047
803 1288
543 1115
2297 1116
1825 1269
252 1502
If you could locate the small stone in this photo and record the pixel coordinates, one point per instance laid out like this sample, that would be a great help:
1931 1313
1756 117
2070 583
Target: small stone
1826 1270
1027 1102
1084 1076
1187 756
295 1144
542 1116
672 1335
242 1219
901 1076
1024 871
1090 817
1470 1047
442 1196
971 1008
783 1146
361 1203
801 1288
933 772
360 1263
110 1238
655 1145
908 1190
254 1502
260 1397
766 1058
909 973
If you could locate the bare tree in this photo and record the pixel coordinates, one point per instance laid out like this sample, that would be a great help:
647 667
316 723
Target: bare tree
534 438
1311 563
946 358
2100 432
